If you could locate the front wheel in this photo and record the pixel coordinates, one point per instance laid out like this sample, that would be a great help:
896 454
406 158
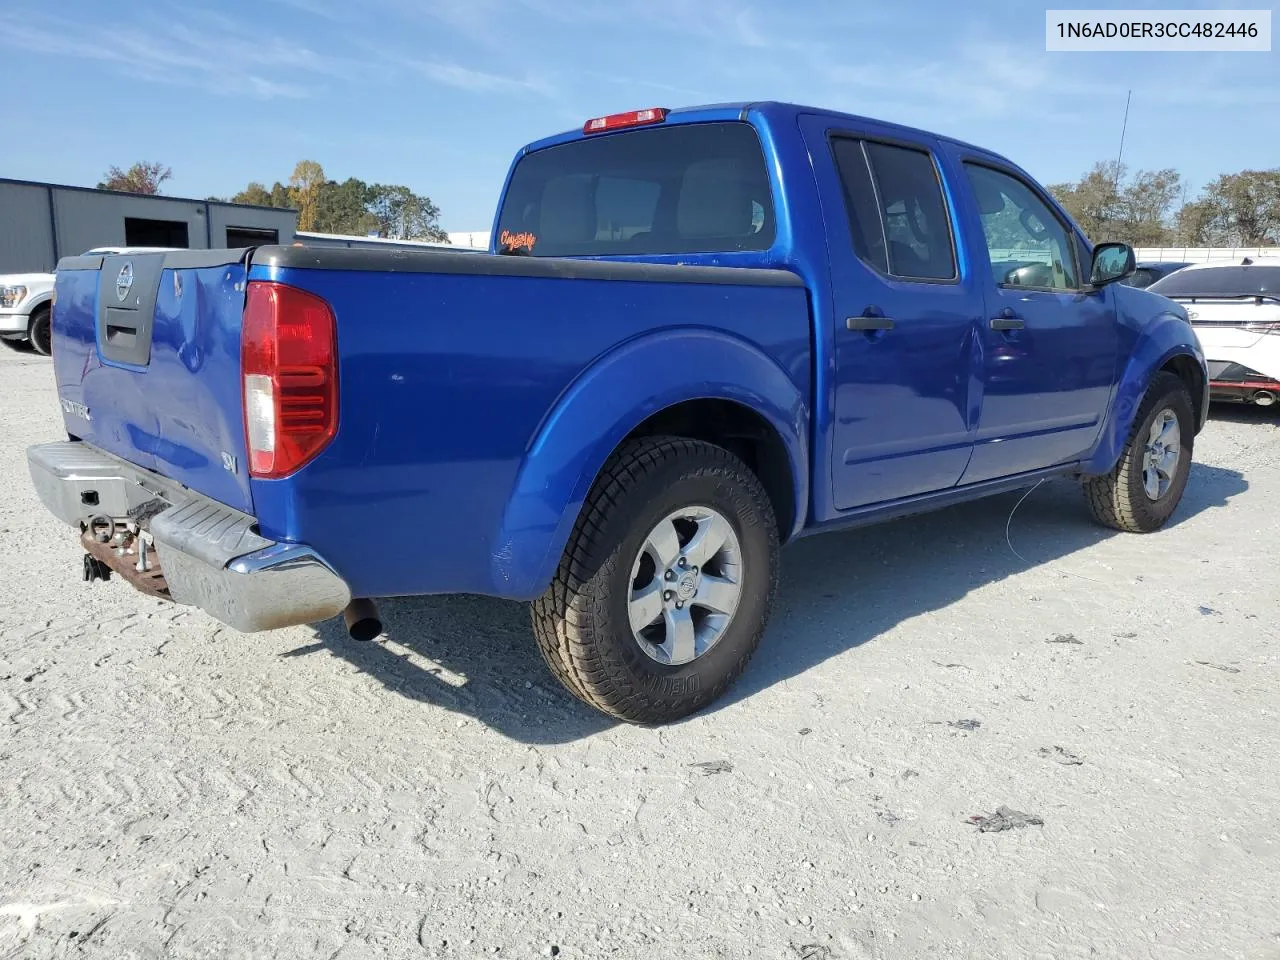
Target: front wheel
41 331
666 583
1144 489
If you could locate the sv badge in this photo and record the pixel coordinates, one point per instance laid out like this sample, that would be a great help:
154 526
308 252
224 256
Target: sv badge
228 462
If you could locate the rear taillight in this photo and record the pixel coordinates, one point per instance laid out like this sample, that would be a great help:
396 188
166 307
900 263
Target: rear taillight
289 370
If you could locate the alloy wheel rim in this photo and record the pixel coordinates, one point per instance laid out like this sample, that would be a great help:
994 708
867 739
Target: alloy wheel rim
686 585
1161 454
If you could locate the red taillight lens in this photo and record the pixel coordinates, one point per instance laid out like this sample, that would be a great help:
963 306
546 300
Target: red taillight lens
289 371
634 118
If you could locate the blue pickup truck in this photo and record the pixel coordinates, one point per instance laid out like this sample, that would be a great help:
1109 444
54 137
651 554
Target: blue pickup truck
699 334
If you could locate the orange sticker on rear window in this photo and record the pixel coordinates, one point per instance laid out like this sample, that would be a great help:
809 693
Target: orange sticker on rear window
517 241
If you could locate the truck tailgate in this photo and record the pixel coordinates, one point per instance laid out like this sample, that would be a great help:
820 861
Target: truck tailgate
146 350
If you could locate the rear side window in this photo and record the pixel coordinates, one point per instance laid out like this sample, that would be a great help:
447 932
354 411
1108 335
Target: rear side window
688 188
1247 280
860 204
897 213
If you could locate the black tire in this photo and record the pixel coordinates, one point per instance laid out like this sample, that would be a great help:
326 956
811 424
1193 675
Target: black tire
581 623
1118 499
40 332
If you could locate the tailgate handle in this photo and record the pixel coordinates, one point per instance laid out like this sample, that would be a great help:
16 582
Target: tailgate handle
118 335
120 331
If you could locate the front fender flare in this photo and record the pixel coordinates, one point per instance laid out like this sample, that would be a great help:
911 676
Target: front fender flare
1166 336
607 401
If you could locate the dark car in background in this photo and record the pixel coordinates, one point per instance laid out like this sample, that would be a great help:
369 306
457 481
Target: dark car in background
1149 272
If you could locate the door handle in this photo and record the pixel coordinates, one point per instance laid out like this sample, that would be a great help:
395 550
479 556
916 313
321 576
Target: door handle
869 323
1007 321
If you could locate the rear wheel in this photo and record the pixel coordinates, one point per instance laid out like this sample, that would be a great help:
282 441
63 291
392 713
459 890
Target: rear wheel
41 331
666 583
1144 489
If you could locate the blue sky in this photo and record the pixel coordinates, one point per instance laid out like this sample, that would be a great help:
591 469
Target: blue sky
438 94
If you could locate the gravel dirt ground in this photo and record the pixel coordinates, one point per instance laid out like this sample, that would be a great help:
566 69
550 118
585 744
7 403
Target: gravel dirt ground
172 789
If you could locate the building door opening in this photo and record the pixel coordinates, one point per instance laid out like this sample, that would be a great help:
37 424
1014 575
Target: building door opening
155 233
251 237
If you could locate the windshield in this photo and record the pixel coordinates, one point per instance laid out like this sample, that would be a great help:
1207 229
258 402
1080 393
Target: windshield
690 188
1252 280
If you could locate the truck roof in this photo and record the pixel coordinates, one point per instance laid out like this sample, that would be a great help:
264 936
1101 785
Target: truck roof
773 109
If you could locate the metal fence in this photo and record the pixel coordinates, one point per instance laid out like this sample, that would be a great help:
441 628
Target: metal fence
1202 254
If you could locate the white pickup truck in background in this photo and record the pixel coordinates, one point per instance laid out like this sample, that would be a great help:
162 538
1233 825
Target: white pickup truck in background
26 303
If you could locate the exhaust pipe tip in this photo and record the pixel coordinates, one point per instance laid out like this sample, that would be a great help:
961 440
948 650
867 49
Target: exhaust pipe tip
1264 398
363 622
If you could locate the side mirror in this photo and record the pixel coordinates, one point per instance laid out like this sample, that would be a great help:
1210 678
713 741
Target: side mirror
1112 262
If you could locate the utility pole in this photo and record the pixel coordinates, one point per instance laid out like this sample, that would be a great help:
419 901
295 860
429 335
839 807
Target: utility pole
1123 128
1115 189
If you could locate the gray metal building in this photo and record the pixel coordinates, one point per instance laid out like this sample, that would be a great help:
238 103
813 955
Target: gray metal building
42 222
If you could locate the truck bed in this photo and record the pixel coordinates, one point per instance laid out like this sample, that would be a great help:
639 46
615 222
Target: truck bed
449 364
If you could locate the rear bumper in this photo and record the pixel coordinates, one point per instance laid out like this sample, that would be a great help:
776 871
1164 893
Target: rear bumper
1237 382
212 556
1265 393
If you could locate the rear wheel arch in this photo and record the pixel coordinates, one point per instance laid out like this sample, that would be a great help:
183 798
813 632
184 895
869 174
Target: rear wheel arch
746 434
608 403
778 462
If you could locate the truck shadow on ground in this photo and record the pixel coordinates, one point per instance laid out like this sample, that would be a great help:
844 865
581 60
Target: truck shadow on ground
476 656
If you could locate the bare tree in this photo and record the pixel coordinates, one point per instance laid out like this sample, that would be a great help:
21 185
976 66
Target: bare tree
143 178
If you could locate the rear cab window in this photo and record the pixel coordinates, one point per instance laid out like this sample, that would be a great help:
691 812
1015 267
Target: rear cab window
684 188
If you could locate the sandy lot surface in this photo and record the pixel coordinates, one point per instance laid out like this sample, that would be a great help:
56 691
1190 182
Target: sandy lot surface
172 789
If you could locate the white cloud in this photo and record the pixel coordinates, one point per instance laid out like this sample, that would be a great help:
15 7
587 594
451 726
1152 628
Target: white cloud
477 81
982 80
211 58
323 9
